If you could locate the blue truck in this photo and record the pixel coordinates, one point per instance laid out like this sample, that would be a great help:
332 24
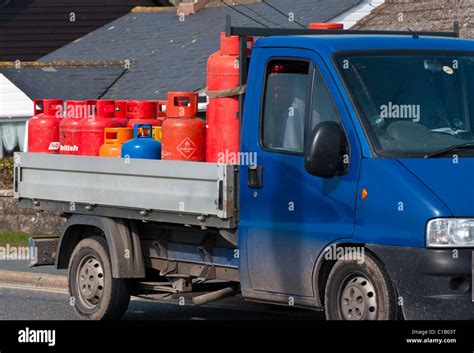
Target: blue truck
353 192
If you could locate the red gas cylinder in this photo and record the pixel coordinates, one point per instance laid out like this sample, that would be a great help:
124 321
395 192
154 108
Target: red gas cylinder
91 135
161 111
92 107
120 109
69 126
222 130
43 127
326 25
183 135
142 112
121 112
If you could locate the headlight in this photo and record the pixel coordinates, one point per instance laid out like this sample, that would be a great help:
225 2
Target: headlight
450 232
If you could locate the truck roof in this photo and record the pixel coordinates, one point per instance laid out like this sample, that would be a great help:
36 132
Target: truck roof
352 42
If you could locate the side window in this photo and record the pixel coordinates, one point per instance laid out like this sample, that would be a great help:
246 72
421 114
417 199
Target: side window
284 108
323 108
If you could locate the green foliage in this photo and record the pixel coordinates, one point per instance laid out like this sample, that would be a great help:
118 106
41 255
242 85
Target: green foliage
6 173
18 238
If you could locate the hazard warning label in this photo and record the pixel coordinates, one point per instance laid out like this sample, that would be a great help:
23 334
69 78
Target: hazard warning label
186 148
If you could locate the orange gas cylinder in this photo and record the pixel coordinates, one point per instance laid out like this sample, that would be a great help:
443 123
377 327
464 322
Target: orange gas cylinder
114 138
91 135
43 127
326 25
222 123
142 112
183 134
69 126
157 133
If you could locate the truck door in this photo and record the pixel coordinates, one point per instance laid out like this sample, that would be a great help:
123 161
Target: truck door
287 216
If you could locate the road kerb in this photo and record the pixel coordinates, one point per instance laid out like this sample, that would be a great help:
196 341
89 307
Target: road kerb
34 279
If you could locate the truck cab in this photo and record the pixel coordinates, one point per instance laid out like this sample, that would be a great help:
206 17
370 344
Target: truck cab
364 147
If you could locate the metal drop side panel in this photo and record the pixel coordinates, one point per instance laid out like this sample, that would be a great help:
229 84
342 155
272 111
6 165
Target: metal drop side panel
171 186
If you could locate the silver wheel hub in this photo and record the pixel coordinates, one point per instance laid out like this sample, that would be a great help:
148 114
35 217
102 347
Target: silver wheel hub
90 281
358 299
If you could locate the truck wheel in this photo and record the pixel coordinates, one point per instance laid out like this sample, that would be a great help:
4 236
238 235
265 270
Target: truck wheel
360 291
96 294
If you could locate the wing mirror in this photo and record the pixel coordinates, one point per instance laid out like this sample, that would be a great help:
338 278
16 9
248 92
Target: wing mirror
326 153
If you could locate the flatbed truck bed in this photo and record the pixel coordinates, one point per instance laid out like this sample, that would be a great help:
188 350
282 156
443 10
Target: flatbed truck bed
192 193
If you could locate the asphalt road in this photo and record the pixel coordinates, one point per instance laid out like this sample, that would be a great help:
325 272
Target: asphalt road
21 302
23 266
29 303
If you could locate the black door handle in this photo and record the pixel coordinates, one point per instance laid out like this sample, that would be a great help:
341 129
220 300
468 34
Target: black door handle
255 177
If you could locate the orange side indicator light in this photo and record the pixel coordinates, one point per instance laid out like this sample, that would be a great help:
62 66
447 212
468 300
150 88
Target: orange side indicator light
365 193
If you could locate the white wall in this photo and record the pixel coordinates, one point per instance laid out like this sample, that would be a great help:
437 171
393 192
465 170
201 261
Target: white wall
358 12
15 108
13 102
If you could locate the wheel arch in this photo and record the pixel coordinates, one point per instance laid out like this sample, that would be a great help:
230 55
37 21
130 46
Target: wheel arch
324 266
121 236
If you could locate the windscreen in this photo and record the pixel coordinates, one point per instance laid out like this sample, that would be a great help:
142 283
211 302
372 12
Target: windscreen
412 104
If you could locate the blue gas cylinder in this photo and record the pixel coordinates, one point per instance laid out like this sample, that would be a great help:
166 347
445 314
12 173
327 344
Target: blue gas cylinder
143 145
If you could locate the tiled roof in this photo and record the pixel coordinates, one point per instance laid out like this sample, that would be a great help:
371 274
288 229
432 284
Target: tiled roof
171 55
76 83
30 29
428 15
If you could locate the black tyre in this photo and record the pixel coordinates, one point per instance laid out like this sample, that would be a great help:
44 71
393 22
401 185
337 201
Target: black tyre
360 291
95 294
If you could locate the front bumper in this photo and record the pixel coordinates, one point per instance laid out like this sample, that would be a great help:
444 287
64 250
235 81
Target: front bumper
432 284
